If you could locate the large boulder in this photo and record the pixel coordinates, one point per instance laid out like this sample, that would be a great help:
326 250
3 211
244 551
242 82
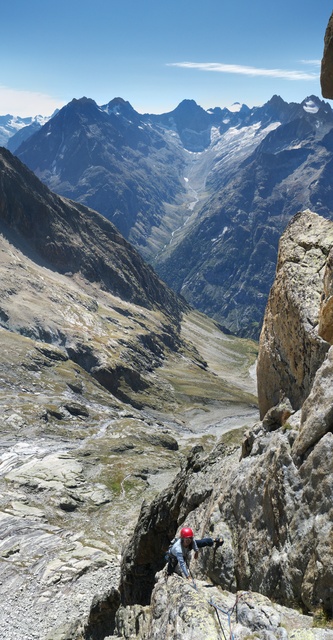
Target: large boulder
291 349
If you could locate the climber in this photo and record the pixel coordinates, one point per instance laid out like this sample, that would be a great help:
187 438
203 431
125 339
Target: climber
179 552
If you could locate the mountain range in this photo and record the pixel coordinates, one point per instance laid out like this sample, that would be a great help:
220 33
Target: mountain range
14 130
203 195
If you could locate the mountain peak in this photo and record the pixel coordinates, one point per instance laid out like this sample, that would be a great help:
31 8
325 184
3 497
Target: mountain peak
119 106
188 106
276 102
119 101
78 105
84 100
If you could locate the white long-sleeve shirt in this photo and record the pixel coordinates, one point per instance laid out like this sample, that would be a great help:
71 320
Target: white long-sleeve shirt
182 554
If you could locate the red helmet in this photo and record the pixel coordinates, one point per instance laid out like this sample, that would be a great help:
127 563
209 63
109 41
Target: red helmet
186 532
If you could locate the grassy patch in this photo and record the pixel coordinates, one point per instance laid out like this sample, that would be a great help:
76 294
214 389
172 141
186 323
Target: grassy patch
321 619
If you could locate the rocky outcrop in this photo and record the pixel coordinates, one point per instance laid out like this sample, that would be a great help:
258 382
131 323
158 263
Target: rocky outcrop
193 611
273 512
271 500
326 75
291 347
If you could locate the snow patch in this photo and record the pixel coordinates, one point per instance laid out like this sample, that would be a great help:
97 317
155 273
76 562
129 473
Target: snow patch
225 229
235 108
311 107
215 134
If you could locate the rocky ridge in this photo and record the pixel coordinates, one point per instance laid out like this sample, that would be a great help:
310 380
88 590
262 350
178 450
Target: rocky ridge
295 299
190 187
271 498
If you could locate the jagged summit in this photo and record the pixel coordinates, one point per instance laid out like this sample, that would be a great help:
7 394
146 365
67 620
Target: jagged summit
191 122
276 101
189 114
190 187
119 106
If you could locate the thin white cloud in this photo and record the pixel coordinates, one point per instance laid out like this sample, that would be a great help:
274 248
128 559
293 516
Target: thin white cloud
315 63
245 70
27 103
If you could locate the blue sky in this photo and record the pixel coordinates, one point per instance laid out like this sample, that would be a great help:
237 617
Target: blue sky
155 53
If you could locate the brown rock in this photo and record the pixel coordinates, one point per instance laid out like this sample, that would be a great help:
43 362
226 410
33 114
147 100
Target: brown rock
326 75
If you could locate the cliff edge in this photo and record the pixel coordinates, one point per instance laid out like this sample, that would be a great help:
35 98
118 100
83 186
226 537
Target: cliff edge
271 497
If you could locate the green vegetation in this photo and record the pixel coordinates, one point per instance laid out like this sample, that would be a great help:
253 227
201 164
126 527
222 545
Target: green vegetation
321 619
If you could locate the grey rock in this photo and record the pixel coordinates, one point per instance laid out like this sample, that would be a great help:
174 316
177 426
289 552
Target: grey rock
180 609
290 349
317 410
272 499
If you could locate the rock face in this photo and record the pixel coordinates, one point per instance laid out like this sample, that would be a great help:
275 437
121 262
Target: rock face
326 75
193 611
271 501
291 349
273 512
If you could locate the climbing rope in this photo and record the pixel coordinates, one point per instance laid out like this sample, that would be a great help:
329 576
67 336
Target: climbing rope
193 581
227 613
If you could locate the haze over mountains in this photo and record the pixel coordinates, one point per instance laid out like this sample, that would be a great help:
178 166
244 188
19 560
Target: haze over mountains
203 195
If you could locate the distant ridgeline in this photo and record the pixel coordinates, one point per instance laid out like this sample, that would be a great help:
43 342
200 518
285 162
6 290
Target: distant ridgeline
203 195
